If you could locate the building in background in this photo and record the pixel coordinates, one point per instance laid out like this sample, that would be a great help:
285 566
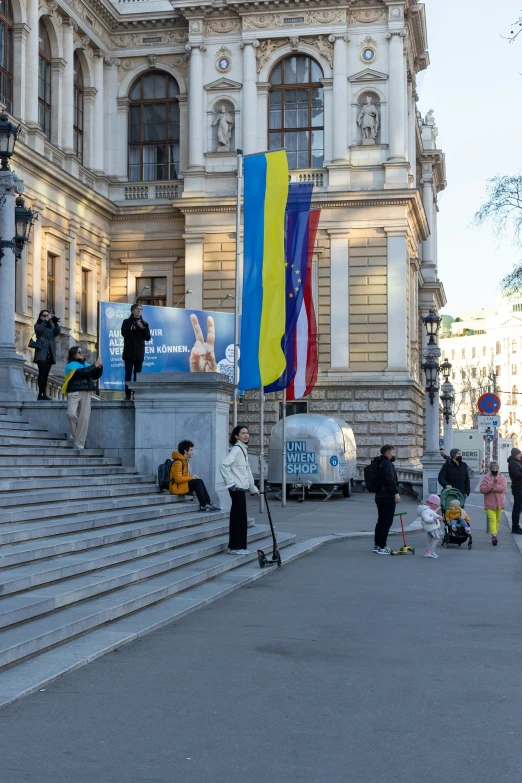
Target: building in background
131 114
484 348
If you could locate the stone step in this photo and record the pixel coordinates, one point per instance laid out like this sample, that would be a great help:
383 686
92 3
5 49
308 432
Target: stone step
20 488
72 470
81 511
42 633
199 544
73 459
78 540
19 426
5 415
61 449
31 438
32 575
70 494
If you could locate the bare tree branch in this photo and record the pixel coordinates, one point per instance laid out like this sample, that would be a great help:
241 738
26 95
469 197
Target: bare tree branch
503 208
514 33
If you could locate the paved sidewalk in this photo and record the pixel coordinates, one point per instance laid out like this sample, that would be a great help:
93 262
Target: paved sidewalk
342 666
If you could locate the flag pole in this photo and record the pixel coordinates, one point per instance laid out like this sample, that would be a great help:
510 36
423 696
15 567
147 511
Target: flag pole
283 445
261 449
237 284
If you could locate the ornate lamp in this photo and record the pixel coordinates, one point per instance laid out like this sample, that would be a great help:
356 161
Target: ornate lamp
432 322
447 400
445 369
24 219
431 370
8 136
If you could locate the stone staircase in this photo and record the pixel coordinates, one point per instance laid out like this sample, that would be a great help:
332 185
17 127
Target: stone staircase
92 555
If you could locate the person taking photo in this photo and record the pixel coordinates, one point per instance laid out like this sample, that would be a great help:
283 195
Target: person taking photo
80 377
46 330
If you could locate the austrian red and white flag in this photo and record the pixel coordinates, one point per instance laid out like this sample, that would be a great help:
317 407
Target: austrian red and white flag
306 358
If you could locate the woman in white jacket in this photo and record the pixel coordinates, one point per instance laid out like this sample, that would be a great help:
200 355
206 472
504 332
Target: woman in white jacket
238 478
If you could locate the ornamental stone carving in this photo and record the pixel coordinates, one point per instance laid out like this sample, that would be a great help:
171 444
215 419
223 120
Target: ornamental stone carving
222 25
224 123
265 50
294 18
367 16
126 64
368 120
323 45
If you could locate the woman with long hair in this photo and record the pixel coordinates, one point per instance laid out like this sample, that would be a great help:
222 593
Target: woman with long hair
46 330
238 478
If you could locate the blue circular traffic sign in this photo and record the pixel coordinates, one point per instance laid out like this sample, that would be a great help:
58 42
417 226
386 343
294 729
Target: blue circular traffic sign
334 461
488 403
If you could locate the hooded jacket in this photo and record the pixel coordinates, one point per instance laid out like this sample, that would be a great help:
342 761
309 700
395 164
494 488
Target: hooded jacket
493 491
429 518
235 469
515 472
389 483
456 475
179 475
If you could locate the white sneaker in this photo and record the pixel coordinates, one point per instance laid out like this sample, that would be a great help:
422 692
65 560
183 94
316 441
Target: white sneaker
384 551
235 551
78 446
430 554
376 549
243 551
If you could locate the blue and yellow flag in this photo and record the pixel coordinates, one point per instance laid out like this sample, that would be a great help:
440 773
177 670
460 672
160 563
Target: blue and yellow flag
263 317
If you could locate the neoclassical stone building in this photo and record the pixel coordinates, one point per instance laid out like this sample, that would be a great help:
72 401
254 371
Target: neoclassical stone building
131 113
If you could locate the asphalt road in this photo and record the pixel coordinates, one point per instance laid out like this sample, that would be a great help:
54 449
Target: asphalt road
344 666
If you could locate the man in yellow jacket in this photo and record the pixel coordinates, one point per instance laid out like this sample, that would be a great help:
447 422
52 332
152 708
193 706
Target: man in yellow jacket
182 482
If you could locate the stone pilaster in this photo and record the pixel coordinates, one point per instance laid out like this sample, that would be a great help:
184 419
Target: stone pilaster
250 128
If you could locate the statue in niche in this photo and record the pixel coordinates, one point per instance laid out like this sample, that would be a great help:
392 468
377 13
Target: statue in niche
430 118
368 121
225 123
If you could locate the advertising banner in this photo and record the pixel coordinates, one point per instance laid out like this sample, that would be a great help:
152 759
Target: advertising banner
181 341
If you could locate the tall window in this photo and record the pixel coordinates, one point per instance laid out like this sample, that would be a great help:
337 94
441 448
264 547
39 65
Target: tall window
514 347
6 54
152 291
296 117
498 349
78 108
473 353
44 80
154 128
463 353
51 280
514 395
498 370
84 301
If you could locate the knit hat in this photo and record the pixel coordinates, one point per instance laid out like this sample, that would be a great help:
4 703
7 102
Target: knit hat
453 453
493 464
515 452
433 500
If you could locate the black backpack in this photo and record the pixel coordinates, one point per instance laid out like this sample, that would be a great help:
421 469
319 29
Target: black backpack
164 474
372 476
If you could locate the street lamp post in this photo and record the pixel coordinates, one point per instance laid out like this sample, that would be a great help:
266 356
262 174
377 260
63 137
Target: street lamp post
15 225
447 398
431 461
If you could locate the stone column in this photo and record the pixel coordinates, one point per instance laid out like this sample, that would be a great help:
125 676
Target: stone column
328 120
172 406
13 387
194 270
339 300
340 98
31 81
263 91
89 120
57 72
397 108
36 242
184 132
21 33
122 131
195 101
431 461
73 249
68 87
397 285
99 111
412 133
249 107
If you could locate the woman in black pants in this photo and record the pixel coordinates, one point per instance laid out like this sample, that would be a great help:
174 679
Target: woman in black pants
238 478
46 329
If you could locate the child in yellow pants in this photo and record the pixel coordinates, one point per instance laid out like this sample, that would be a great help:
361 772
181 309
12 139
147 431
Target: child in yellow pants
493 487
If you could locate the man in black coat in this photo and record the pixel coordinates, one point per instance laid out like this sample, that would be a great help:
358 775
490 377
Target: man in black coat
135 333
515 474
454 473
386 498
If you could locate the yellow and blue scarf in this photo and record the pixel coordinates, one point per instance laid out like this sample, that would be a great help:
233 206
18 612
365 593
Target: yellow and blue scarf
70 369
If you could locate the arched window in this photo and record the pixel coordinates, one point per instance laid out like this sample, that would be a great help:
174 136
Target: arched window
6 54
78 108
296 117
498 349
514 347
44 80
154 128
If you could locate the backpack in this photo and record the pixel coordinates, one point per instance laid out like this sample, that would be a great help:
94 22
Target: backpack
164 474
372 476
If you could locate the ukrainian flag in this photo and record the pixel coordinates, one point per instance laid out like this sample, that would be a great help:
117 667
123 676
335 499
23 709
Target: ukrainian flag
263 313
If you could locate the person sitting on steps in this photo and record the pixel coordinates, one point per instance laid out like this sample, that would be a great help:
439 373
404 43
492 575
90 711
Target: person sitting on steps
181 482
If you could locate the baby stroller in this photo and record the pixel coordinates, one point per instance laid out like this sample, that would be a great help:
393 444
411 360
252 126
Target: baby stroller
458 536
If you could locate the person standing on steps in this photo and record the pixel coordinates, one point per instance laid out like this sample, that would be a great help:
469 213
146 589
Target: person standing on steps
182 482
454 473
386 498
515 474
238 479
46 330
493 487
80 377
136 333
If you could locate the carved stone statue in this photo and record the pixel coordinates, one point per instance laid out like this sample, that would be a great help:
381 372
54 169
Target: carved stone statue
368 121
430 118
225 122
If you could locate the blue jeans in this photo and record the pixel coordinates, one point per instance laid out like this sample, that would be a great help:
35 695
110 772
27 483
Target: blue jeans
517 506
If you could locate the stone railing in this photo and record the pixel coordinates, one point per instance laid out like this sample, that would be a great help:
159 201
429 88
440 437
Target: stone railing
319 177
52 155
85 176
146 191
54 384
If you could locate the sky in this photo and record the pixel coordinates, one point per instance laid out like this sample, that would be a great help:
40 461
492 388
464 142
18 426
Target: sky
474 85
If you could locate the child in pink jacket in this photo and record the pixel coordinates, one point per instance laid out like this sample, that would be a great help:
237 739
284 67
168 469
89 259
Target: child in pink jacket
493 487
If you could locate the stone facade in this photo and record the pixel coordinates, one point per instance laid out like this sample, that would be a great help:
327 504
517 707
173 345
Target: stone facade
107 223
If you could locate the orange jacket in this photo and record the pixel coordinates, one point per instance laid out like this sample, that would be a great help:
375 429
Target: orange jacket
179 475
